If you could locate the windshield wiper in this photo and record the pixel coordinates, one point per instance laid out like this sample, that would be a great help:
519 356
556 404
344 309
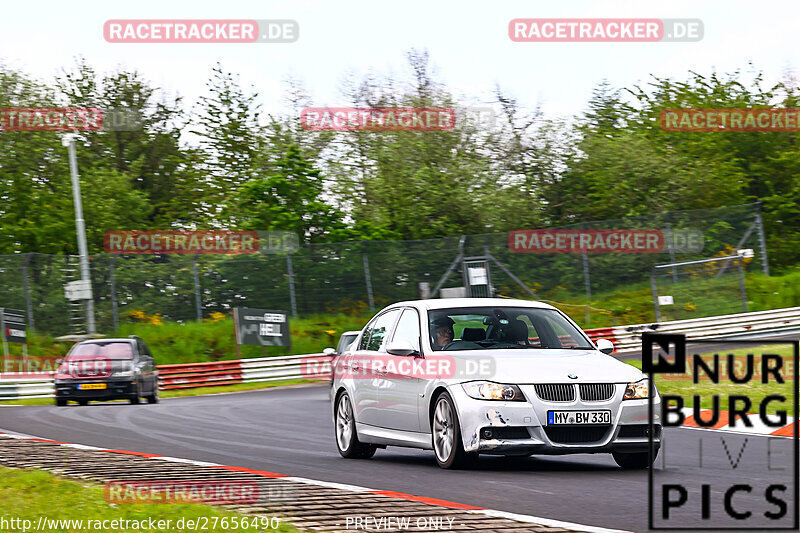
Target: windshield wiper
577 348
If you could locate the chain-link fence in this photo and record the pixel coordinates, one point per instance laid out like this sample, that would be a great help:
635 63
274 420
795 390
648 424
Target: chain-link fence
691 289
352 276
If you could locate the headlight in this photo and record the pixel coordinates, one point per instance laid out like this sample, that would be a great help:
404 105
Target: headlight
125 370
637 390
486 390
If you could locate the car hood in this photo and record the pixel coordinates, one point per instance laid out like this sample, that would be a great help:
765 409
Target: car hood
541 366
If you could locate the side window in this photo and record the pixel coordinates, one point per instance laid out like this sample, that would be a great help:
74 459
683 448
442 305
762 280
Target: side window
146 350
380 329
408 328
362 345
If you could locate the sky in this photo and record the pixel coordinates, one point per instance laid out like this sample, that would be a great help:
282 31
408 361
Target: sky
467 41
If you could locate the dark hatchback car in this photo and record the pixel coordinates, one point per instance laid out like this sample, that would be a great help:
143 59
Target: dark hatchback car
345 341
107 369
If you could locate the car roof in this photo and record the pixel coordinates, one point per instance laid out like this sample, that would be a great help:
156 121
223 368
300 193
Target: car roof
106 341
352 332
447 303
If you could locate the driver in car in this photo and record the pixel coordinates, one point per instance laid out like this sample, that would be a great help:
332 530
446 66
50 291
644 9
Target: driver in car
443 332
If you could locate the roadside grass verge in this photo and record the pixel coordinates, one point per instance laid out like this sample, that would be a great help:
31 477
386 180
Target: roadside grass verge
179 393
755 390
29 494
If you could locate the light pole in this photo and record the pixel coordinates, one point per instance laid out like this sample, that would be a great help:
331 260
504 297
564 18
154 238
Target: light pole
69 142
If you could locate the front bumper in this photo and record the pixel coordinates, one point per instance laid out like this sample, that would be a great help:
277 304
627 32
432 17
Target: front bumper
511 428
115 389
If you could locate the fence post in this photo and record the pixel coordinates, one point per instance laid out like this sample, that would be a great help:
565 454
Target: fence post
369 282
27 290
671 251
290 271
655 296
587 282
762 242
742 289
197 302
112 279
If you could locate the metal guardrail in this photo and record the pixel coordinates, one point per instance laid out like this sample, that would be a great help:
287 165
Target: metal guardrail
316 366
192 375
27 388
629 338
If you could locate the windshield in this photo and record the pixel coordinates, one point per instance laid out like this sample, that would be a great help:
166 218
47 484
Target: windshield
110 350
488 328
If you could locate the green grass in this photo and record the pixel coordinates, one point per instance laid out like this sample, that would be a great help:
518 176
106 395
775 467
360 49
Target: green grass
214 341
27 495
179 393
755 390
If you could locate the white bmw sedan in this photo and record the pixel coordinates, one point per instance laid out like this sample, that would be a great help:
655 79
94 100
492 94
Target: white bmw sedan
495 376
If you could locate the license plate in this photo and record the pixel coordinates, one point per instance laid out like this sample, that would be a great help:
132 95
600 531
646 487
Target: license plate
579 418
91 386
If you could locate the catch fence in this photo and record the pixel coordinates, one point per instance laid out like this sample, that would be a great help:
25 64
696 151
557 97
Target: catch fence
353 276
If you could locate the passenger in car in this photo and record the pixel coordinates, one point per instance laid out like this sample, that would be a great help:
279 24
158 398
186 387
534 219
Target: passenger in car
443 332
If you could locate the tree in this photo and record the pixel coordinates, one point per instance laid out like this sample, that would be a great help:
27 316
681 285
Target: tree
290 198
147 150
230 136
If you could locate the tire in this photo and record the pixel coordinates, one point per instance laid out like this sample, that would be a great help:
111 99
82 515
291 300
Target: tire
61 402
345 429
633 461
446 435
137 395
83 402
153 398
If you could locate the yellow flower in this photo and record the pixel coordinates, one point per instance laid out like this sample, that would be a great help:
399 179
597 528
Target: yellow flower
215 317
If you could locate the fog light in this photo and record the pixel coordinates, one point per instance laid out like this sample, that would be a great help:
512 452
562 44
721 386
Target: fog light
487 433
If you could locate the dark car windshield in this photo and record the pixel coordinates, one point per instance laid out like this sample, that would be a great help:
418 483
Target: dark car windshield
111 350
487 328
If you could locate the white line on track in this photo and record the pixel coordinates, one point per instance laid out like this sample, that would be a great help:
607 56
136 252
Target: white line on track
330 485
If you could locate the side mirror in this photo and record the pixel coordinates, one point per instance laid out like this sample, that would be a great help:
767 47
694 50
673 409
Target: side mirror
329 351
59 362
605 346
401 348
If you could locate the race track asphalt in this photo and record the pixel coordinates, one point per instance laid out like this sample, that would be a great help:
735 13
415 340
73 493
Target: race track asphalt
290 431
